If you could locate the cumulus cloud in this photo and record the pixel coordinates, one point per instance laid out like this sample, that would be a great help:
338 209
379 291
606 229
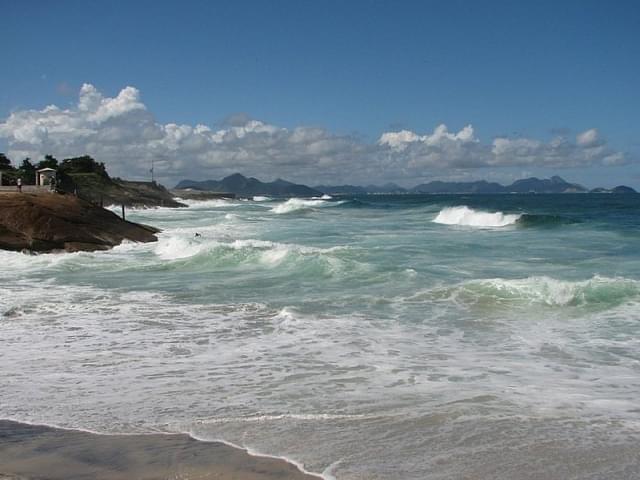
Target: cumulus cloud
443 149
124 134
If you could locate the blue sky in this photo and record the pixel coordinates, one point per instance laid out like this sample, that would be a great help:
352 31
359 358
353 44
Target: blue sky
342 73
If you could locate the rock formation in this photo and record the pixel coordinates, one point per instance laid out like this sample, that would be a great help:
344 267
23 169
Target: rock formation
48 222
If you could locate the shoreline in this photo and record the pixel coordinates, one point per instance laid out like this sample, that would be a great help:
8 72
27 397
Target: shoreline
31 451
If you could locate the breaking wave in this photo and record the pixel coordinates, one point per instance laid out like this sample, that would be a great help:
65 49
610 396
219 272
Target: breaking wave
469 217
210 203
598 292
300 204
205 253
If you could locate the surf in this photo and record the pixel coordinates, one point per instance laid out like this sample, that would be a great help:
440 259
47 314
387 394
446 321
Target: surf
468 217
300 204
595 293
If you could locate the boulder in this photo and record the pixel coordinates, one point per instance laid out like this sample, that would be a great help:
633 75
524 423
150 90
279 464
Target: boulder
47 222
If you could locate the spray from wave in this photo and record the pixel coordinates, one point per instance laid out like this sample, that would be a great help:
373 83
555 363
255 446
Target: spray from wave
207 204
469 217
300 204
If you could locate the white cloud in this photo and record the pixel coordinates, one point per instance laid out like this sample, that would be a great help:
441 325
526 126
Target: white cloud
124 134
462 150
589 138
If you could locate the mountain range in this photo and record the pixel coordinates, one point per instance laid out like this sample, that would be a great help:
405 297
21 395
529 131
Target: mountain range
249 186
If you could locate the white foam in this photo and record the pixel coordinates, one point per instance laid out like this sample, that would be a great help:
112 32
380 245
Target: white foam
313 417
598 291
469 217
176 247
261 198
212 203
297 204
179 246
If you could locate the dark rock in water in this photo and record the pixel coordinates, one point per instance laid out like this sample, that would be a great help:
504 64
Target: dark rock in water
48 222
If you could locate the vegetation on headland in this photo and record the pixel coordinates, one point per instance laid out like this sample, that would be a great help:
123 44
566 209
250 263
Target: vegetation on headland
88 178
72 222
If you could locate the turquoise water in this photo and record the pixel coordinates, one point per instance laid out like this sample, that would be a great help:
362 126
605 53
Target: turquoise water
378 337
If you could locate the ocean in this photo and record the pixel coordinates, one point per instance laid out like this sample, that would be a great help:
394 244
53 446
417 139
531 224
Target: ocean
378 337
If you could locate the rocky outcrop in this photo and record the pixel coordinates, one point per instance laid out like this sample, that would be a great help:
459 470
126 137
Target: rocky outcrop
48 222
104 190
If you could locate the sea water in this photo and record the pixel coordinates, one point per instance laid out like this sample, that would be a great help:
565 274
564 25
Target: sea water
378 337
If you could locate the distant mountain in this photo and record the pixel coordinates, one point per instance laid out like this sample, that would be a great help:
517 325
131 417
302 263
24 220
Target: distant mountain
526 185
618 189
551 185
358 190
481 186
243 186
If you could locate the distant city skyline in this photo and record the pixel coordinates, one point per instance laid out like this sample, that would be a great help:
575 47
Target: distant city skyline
327 92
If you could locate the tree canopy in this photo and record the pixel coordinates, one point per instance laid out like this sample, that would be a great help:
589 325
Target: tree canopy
83 164
5 162
49 162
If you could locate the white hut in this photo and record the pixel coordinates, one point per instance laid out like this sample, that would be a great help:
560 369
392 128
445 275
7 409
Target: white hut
45 176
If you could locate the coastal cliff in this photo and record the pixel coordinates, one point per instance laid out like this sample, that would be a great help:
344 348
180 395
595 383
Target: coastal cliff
115 191
49 222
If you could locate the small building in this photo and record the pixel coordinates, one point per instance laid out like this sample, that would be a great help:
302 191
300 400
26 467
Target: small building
45 176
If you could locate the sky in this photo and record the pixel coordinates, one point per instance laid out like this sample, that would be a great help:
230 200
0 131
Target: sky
327 91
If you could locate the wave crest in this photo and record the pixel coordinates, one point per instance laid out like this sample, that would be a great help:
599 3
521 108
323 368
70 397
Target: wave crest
469 217
597 292
301 204
209 252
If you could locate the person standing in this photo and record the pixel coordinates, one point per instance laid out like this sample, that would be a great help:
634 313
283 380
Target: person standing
19 182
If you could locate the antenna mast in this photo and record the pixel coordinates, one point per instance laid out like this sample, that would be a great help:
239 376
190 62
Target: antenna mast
152 178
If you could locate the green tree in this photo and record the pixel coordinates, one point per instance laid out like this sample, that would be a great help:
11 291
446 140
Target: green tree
49 162
5 162
28 171
83 164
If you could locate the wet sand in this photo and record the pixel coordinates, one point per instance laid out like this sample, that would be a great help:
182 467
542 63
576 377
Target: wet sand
38 452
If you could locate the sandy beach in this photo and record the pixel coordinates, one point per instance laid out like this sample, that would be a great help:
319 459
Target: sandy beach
39 452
